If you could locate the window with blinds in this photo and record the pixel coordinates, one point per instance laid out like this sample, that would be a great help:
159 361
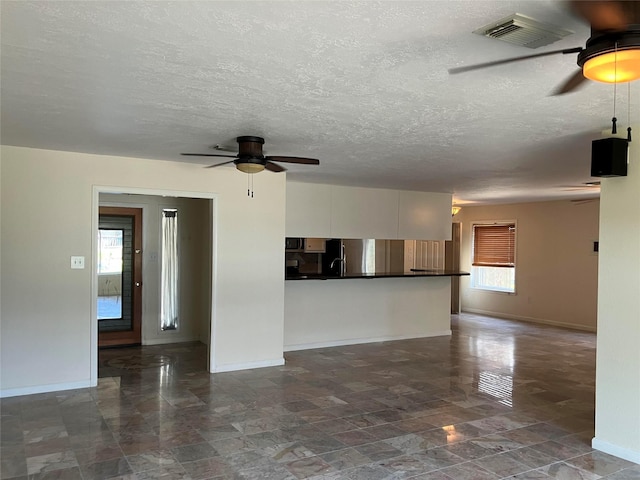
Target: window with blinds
494 245
493 257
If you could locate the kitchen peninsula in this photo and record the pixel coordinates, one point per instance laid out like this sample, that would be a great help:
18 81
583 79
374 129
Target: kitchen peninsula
351 276
364 291
352 310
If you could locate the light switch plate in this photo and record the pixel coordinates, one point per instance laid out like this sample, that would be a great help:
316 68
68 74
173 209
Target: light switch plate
77 262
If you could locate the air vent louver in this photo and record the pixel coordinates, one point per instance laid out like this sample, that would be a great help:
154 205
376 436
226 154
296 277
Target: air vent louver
524 31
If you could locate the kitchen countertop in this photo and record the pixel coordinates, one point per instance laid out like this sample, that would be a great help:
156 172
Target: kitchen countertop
412 274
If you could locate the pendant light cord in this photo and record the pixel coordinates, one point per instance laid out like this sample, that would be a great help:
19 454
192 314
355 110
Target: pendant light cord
614 130
629 111
250 185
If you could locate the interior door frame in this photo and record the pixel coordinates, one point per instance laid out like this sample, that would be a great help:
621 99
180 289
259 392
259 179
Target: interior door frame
133 336
96 191
452 262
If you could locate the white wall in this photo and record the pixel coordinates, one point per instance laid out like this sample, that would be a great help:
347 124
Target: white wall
556 269
47 214
194 290
321 313
618 352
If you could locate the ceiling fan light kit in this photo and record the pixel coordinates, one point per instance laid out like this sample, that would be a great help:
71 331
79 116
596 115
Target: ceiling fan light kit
612 58
620 67
250 158
249 167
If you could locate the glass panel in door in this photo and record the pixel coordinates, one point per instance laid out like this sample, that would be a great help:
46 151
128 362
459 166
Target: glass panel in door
109 274
115 266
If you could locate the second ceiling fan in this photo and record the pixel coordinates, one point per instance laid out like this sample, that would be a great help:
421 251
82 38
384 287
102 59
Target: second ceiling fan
611 54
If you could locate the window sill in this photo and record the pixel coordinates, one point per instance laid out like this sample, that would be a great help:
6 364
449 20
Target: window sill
493 290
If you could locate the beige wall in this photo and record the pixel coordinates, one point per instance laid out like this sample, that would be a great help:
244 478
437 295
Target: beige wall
618 352
194 243
556 269
47 213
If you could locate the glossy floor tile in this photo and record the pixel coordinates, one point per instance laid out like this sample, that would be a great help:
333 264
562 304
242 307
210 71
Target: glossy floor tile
497 399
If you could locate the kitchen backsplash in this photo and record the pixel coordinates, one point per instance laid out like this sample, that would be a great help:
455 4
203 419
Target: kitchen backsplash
298 262
367 255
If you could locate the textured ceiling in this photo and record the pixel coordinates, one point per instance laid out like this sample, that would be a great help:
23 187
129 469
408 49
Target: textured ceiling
363 86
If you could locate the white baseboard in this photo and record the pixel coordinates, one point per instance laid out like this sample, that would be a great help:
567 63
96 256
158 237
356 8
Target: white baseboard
521 318
358 341
232 367
54 387
616 451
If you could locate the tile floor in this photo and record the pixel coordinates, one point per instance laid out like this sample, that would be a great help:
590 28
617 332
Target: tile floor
498 399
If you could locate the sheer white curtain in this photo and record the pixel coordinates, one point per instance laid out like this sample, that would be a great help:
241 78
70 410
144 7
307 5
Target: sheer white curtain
169 272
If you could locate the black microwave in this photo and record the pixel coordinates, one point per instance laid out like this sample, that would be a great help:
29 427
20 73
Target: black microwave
294 244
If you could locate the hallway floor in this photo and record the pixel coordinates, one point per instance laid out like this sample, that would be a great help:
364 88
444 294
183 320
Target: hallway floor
497 399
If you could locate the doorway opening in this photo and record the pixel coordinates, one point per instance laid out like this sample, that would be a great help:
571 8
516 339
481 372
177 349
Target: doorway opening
191 327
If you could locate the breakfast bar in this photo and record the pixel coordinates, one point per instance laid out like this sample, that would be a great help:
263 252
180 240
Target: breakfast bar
350 276
321 312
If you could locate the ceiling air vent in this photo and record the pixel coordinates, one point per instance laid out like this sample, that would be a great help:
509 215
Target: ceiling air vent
524 31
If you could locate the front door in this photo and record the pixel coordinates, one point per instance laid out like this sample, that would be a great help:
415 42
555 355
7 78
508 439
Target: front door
119 276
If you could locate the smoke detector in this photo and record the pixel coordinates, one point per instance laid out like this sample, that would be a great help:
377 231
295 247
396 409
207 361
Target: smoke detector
524 31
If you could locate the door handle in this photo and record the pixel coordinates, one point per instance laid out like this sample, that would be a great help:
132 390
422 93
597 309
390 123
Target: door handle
138 284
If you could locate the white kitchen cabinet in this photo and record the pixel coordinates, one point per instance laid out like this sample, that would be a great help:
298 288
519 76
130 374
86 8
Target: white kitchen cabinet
424 215
315 245
308 210
364 213
331 211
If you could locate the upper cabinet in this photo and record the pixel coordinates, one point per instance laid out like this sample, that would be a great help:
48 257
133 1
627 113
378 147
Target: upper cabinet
329 211
364 213
308 210
424 216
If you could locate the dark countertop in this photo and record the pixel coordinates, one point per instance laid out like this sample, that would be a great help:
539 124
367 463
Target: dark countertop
412 274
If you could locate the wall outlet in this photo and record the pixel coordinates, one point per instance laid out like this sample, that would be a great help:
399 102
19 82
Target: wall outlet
77 262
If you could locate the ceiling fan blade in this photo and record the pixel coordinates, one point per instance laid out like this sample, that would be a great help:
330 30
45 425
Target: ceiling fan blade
478 66
207 155
574 82
607 15
272 167
301 160
219 164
